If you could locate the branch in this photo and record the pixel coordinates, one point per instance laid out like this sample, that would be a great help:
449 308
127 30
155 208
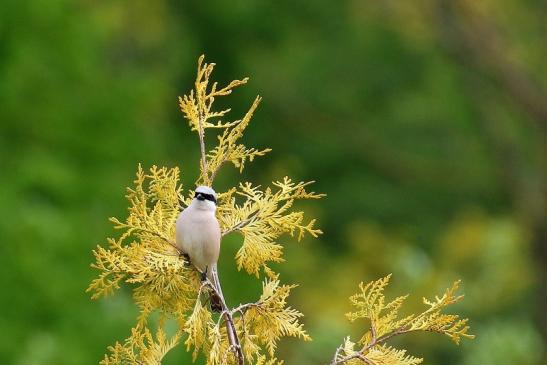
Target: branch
336 354
201 133
241 224
145 230
357 355
243 307
214 173
233 338
374 342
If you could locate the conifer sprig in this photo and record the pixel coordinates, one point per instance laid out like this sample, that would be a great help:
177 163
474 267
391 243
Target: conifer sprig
385 323
146 258
197 108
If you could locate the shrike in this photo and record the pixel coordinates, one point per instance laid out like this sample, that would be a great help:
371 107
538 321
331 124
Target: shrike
198 236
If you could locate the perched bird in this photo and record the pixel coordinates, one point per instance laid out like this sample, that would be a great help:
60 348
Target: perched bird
198 236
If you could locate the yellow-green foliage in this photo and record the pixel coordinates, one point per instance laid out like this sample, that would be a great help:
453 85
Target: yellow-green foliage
141 348
262 218
385 323
197 109
145 256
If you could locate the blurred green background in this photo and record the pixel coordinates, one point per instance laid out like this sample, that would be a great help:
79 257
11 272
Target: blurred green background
424 122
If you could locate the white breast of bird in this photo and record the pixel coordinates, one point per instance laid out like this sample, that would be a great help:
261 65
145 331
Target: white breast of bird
198 235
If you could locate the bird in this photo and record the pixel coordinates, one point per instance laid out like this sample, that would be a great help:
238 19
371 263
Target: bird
198 237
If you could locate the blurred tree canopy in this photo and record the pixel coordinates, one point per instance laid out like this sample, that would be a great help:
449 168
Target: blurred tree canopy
425 123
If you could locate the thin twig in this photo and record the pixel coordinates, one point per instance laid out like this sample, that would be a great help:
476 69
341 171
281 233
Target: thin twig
241 224
201 134
373 342
365 359
357 355
233 338
336 354
373 331
214 173
165 239
243 307
201 95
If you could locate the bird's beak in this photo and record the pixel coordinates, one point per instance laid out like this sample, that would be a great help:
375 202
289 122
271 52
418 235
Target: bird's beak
200 197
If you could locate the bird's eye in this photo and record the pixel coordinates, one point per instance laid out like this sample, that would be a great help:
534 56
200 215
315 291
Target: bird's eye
204 196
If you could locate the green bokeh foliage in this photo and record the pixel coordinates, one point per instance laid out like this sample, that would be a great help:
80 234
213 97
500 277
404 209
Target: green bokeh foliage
424 178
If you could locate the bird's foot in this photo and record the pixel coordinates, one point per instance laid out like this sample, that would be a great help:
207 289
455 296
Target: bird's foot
204 274
186 259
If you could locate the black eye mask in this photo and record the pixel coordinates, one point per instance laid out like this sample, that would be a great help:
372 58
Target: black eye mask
203 196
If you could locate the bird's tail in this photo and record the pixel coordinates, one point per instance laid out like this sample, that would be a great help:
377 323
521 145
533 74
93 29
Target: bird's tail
216 297
215 302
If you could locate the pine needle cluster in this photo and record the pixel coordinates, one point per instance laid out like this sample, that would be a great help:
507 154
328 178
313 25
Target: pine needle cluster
385 323
144 256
